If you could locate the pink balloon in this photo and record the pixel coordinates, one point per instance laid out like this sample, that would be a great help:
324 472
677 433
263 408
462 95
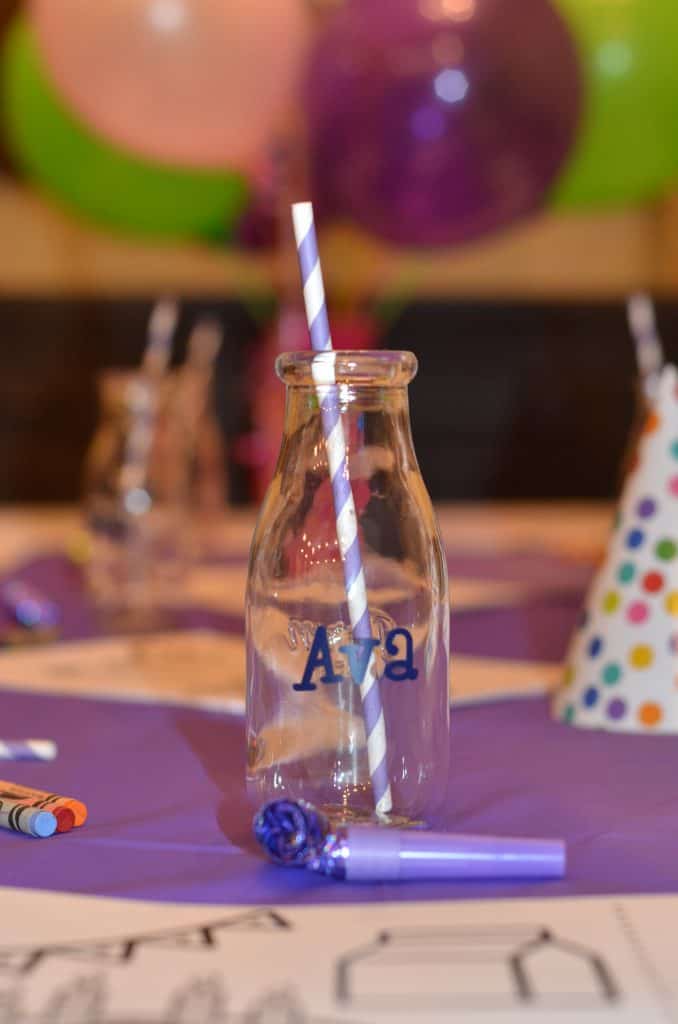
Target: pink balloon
191 82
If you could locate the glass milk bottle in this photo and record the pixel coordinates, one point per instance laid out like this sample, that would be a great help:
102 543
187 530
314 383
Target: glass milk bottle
350 715
135 500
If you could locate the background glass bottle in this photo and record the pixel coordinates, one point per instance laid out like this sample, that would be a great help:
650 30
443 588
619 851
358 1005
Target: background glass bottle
135 499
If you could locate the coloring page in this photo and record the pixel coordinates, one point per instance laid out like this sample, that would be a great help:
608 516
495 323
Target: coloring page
80 960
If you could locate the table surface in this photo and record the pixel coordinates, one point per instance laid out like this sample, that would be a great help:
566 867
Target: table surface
169 819
574 529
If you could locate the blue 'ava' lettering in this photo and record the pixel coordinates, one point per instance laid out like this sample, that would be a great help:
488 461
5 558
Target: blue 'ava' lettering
400 668
318 657
358 655
399 664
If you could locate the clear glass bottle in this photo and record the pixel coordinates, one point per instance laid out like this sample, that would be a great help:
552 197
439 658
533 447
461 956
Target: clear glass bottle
136 497
306 737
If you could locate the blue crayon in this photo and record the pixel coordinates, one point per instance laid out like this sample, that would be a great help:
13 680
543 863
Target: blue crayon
19 816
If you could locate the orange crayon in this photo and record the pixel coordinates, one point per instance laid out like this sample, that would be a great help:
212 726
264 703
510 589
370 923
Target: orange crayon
67 811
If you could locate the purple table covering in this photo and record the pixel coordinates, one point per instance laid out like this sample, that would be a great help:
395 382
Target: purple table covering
537 629
169 818
536 567
529 567
534 630
57 577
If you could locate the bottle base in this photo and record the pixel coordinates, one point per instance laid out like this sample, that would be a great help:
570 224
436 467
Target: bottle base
339 815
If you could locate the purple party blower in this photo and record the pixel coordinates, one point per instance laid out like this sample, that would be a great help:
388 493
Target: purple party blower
295 834
369 853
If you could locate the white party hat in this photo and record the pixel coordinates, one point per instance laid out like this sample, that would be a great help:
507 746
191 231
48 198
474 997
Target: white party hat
622 666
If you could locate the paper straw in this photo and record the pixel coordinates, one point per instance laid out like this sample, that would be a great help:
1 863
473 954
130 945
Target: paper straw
161 329
27 750
157 353
204 346
344 505
648 345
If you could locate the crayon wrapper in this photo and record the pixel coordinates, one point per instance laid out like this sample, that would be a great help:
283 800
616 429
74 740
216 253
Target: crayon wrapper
12 816
45 801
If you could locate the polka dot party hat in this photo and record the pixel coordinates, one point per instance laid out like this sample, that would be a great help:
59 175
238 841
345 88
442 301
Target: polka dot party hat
622 667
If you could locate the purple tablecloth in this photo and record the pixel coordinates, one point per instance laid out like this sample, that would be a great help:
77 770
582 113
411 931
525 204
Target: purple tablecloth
169 818
537 629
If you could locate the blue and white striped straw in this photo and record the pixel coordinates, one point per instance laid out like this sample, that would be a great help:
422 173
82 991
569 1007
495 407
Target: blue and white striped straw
648 343
344 507
27 750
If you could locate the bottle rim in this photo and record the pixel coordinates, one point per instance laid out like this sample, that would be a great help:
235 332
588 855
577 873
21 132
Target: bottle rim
358 367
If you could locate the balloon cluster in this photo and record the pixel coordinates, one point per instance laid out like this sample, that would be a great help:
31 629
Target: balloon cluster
627 148
429 121
444 121
450 118
150 115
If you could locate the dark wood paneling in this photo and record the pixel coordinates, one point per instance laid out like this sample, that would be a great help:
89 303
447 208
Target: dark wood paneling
522 401
50 355
510 402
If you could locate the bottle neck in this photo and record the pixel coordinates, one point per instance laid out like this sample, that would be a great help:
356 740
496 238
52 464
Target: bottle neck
380 403
376 430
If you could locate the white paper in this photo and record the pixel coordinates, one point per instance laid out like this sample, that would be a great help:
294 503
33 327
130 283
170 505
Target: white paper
207 669
78 960
482 680
222 589
200 667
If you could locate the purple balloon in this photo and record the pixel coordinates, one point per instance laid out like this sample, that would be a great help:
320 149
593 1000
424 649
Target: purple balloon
438 121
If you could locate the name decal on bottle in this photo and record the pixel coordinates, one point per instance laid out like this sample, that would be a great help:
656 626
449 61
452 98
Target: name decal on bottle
398 662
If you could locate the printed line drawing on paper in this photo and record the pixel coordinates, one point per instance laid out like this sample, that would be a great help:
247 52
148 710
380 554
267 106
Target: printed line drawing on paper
408 968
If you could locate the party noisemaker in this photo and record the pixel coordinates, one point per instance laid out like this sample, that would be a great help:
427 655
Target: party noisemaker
296 834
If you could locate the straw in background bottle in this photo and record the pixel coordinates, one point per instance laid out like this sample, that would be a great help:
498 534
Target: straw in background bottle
204 345
648 344
161 328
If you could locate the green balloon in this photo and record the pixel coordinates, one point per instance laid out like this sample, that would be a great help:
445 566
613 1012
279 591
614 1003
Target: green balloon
53 148
626 151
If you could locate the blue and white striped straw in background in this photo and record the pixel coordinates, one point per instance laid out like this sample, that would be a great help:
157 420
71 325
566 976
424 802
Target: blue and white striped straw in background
323 369
647 341
27 750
